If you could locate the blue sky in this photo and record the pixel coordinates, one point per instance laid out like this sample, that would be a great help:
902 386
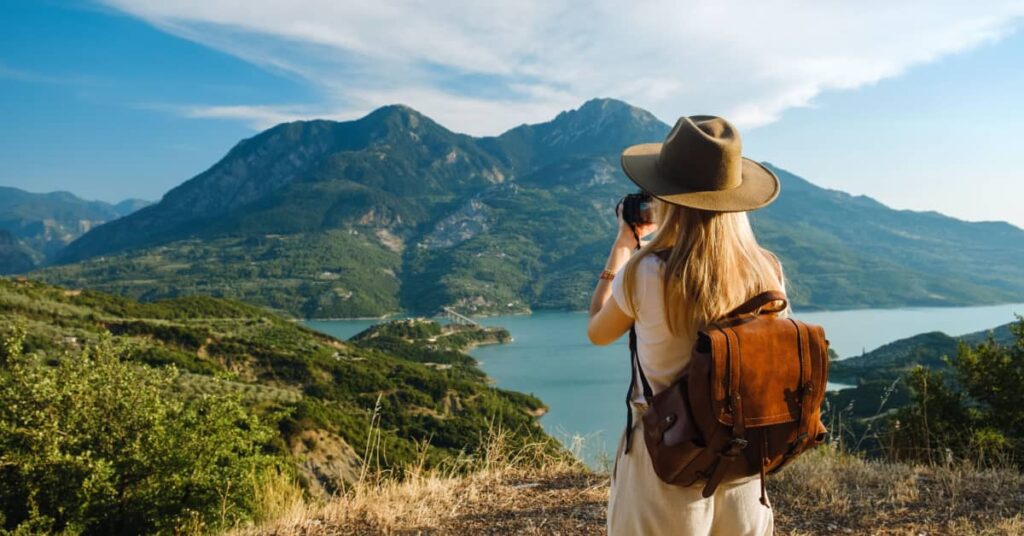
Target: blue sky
916 104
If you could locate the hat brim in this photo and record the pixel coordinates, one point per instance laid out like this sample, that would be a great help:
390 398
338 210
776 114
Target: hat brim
758 188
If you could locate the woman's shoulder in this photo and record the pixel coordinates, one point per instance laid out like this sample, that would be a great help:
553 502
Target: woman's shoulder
651 266
655 261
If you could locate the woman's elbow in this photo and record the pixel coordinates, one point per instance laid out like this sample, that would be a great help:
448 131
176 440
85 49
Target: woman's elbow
597 337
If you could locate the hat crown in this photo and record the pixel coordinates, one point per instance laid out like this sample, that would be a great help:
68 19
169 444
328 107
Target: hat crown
702 153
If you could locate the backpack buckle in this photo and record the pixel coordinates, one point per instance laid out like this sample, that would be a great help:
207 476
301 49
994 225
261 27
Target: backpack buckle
733 447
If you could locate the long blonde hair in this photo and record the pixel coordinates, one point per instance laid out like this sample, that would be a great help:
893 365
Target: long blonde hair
715 264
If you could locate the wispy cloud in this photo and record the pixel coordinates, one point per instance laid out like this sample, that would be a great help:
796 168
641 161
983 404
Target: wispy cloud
21 75
258 117
481 67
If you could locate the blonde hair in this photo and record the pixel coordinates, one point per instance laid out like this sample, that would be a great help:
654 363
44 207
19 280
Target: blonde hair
714 265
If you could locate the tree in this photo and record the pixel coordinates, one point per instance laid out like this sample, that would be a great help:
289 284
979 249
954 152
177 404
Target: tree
976 412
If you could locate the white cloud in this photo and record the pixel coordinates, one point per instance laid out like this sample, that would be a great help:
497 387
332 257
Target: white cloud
258 117
481 67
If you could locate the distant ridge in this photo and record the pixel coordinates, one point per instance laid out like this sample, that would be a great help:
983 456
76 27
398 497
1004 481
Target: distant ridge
395 212
893 359
35 226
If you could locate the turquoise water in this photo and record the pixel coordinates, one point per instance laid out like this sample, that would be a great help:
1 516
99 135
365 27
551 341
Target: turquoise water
584 385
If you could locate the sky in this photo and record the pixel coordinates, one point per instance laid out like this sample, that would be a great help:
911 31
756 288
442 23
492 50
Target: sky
914 103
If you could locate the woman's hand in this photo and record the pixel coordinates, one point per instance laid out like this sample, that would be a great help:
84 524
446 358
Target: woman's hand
626 237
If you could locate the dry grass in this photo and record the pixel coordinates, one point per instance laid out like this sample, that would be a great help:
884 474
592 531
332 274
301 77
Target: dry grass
504 491
825 492
512 502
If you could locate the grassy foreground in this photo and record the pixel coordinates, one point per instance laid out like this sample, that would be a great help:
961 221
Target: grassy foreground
824 492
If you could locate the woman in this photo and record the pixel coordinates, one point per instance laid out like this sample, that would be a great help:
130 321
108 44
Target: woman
702 262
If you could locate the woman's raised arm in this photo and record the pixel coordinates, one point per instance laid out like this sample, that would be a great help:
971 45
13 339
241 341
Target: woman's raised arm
608 322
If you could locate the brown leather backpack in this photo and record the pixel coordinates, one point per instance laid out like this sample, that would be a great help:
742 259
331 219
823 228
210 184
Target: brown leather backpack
749 401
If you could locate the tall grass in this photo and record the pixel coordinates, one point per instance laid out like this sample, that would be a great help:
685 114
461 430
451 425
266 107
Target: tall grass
384 500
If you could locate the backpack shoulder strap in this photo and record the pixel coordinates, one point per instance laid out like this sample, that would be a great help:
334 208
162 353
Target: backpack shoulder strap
760 301
635 370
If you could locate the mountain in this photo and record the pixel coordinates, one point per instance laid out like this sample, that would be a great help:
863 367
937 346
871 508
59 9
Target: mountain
844 251
389 169
126 207
599 128
14 255
394 212
34 227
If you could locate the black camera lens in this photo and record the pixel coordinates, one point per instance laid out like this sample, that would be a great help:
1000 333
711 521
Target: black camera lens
637 209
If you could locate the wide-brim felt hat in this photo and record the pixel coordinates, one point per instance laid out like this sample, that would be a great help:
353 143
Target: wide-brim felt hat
700 165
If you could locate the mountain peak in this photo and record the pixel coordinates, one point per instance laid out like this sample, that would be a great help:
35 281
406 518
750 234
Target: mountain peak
395 110
604 103
398 116
603 111
607 105
598 127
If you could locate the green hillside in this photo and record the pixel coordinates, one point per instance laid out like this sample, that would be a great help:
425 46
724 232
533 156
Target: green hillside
891 360
935 398
407 215
409 384
336 273
881 373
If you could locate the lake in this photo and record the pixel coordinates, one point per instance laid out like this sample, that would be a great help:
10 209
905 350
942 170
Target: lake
584 385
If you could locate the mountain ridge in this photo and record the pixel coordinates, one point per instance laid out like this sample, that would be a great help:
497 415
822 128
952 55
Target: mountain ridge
507 223
38 225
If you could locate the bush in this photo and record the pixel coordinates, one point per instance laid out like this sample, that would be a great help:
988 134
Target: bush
976 413
95 445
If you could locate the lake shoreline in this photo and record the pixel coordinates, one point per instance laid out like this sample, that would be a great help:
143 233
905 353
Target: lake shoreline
803 311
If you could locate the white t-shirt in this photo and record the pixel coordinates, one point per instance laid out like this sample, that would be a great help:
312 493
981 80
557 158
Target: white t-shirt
662 355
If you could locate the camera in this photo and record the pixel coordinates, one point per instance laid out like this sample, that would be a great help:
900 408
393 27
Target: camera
637 208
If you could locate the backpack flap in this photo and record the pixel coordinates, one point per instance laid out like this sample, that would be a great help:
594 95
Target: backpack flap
773 364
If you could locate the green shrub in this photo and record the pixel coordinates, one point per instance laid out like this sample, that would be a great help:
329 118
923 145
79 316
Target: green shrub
95 445
975 410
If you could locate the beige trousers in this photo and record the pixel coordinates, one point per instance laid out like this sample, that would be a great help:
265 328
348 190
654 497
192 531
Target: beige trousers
640 504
